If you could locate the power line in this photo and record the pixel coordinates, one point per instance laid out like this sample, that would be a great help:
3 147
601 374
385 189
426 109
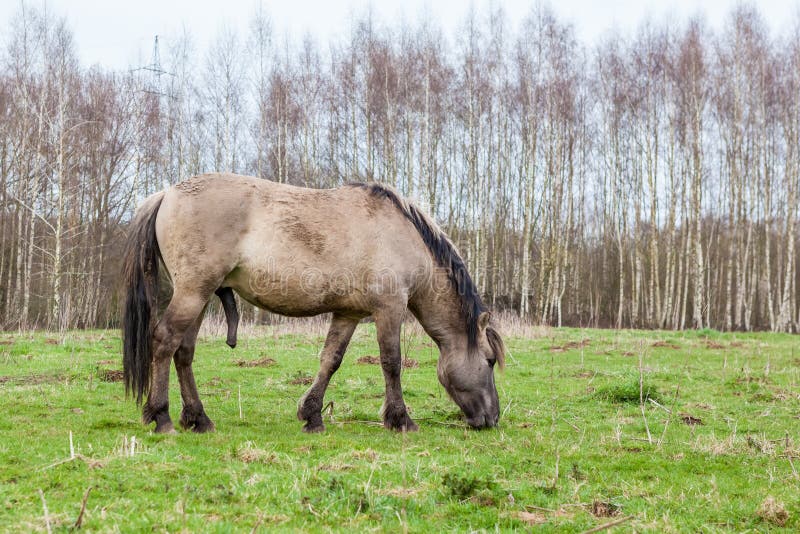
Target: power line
157 72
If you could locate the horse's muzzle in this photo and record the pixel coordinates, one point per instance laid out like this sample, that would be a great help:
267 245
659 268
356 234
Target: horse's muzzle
481 421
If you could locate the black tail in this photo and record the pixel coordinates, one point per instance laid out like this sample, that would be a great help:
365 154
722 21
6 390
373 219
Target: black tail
140 275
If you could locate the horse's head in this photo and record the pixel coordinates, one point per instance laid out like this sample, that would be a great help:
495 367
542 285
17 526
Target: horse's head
468 375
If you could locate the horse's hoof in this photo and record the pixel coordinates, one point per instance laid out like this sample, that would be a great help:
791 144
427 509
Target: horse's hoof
196 422
161 418
202 428
313 429
412 427
165 428
403 425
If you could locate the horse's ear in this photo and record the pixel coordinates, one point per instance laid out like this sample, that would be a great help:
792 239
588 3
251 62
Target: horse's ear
483 320
498 347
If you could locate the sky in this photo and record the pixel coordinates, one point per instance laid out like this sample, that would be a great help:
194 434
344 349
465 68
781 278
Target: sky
119 34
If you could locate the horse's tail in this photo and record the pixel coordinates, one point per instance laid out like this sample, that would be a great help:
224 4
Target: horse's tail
140 276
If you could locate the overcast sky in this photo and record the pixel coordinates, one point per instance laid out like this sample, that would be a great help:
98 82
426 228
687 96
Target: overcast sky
119 33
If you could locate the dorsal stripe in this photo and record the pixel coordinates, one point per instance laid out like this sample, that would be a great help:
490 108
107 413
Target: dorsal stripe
443 252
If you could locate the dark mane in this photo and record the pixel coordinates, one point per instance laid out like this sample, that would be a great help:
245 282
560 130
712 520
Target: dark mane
443 252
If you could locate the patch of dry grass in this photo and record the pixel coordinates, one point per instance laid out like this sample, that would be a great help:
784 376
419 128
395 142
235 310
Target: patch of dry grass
249 453
773 511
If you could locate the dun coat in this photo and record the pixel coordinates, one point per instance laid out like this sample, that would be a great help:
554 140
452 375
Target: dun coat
357 251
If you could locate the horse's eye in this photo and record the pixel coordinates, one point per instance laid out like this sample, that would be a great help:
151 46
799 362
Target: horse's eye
491 361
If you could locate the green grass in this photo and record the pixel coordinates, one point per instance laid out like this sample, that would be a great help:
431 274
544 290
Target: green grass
572 450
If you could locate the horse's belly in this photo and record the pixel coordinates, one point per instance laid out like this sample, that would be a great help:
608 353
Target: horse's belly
305 293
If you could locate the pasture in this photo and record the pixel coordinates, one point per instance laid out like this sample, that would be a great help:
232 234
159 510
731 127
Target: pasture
660 431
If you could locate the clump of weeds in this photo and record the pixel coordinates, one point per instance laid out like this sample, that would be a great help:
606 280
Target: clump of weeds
464 486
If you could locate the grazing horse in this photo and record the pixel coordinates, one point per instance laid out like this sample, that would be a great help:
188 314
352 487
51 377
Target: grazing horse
356 251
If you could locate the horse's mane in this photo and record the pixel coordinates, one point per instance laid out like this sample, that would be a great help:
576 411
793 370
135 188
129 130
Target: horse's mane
443 252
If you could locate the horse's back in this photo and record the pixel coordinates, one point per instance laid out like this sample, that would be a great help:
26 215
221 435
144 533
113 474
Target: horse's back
294 250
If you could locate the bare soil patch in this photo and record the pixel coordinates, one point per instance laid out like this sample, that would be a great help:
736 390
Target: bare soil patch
302 380
110 375
571 345
261 362
29 380
408 363
665 345
603 509
690 419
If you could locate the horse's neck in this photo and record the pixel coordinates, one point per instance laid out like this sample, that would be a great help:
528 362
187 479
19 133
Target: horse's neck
438 310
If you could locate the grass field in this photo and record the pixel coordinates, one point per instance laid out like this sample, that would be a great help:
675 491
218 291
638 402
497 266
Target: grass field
662 431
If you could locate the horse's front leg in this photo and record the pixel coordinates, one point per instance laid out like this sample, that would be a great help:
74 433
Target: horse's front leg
310 406
395 414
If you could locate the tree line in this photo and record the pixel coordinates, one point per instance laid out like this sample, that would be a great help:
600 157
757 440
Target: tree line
645 180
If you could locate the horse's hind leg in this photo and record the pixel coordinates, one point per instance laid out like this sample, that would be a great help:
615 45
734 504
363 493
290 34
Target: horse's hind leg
395 414
310 405
193 416
180 315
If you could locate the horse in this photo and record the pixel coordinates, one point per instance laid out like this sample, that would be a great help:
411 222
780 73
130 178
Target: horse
360 250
